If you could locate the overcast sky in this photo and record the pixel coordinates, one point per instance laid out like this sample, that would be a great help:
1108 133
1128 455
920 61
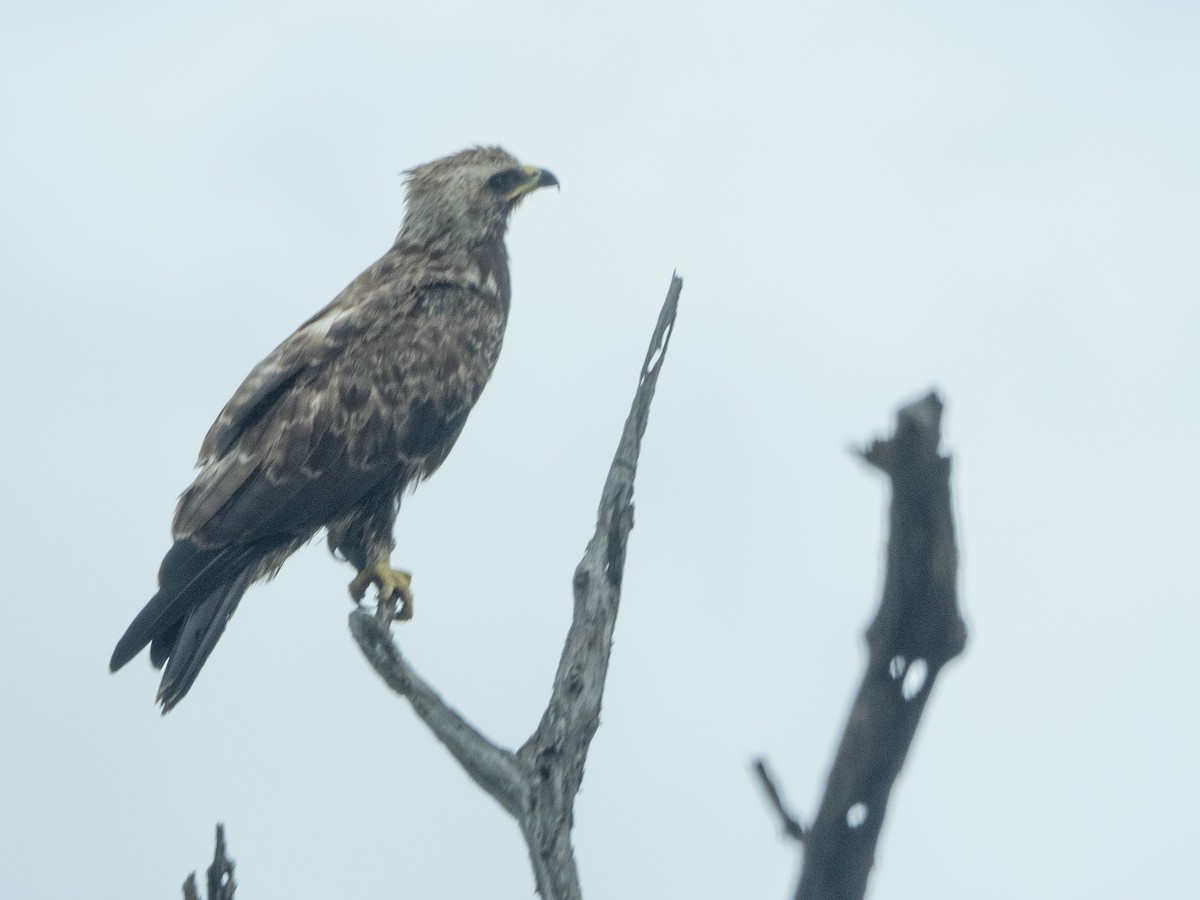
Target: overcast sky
865 200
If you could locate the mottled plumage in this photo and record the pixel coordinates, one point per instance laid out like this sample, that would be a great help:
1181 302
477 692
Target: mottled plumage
365 399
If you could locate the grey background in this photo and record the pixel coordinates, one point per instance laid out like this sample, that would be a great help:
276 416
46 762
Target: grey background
865 199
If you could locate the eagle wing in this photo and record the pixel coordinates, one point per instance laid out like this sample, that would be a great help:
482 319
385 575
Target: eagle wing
360 389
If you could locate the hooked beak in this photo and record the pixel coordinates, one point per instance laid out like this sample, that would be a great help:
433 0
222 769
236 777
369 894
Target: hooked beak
535 178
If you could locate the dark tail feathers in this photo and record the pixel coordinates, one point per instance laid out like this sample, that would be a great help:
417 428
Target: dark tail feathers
198 592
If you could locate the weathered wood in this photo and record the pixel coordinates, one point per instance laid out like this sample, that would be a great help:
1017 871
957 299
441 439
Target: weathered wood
221 885
537 785
917 629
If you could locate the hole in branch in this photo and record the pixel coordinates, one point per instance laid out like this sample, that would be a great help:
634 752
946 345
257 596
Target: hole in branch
856 815
654 358
896 667
914 680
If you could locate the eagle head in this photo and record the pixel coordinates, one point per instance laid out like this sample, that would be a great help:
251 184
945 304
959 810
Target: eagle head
467 197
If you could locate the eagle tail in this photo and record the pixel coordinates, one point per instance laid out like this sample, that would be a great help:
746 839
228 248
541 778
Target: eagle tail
198 592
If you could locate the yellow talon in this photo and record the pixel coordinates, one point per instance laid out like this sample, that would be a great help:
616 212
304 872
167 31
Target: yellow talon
394 587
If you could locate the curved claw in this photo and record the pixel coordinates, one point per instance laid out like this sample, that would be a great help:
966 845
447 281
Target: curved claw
394 591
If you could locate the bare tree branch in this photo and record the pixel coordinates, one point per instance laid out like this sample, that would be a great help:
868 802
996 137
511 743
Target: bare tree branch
916 631
538 783
221 885
492 768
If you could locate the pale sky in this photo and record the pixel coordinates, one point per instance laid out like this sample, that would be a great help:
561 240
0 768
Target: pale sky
865 200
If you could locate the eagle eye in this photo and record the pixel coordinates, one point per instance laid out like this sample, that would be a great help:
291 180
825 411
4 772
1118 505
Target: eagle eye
504 183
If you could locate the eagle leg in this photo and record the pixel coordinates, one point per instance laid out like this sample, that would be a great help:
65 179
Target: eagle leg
394 587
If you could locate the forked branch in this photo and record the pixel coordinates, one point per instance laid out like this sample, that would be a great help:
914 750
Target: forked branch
221 885
538 783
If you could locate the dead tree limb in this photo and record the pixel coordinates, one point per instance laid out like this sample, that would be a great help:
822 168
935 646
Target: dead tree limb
538 783
792 826
916 631
221 885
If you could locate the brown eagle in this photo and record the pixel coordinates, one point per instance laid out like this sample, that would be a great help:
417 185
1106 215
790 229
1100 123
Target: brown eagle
365 399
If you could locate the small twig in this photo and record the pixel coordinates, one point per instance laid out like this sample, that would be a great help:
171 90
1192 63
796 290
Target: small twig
792 826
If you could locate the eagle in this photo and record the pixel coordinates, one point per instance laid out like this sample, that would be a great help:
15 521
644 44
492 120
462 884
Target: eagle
363 401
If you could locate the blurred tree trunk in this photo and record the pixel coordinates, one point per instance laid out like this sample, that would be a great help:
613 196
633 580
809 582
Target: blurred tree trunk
916 631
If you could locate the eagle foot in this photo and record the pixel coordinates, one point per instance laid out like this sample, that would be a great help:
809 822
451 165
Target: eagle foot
394 591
